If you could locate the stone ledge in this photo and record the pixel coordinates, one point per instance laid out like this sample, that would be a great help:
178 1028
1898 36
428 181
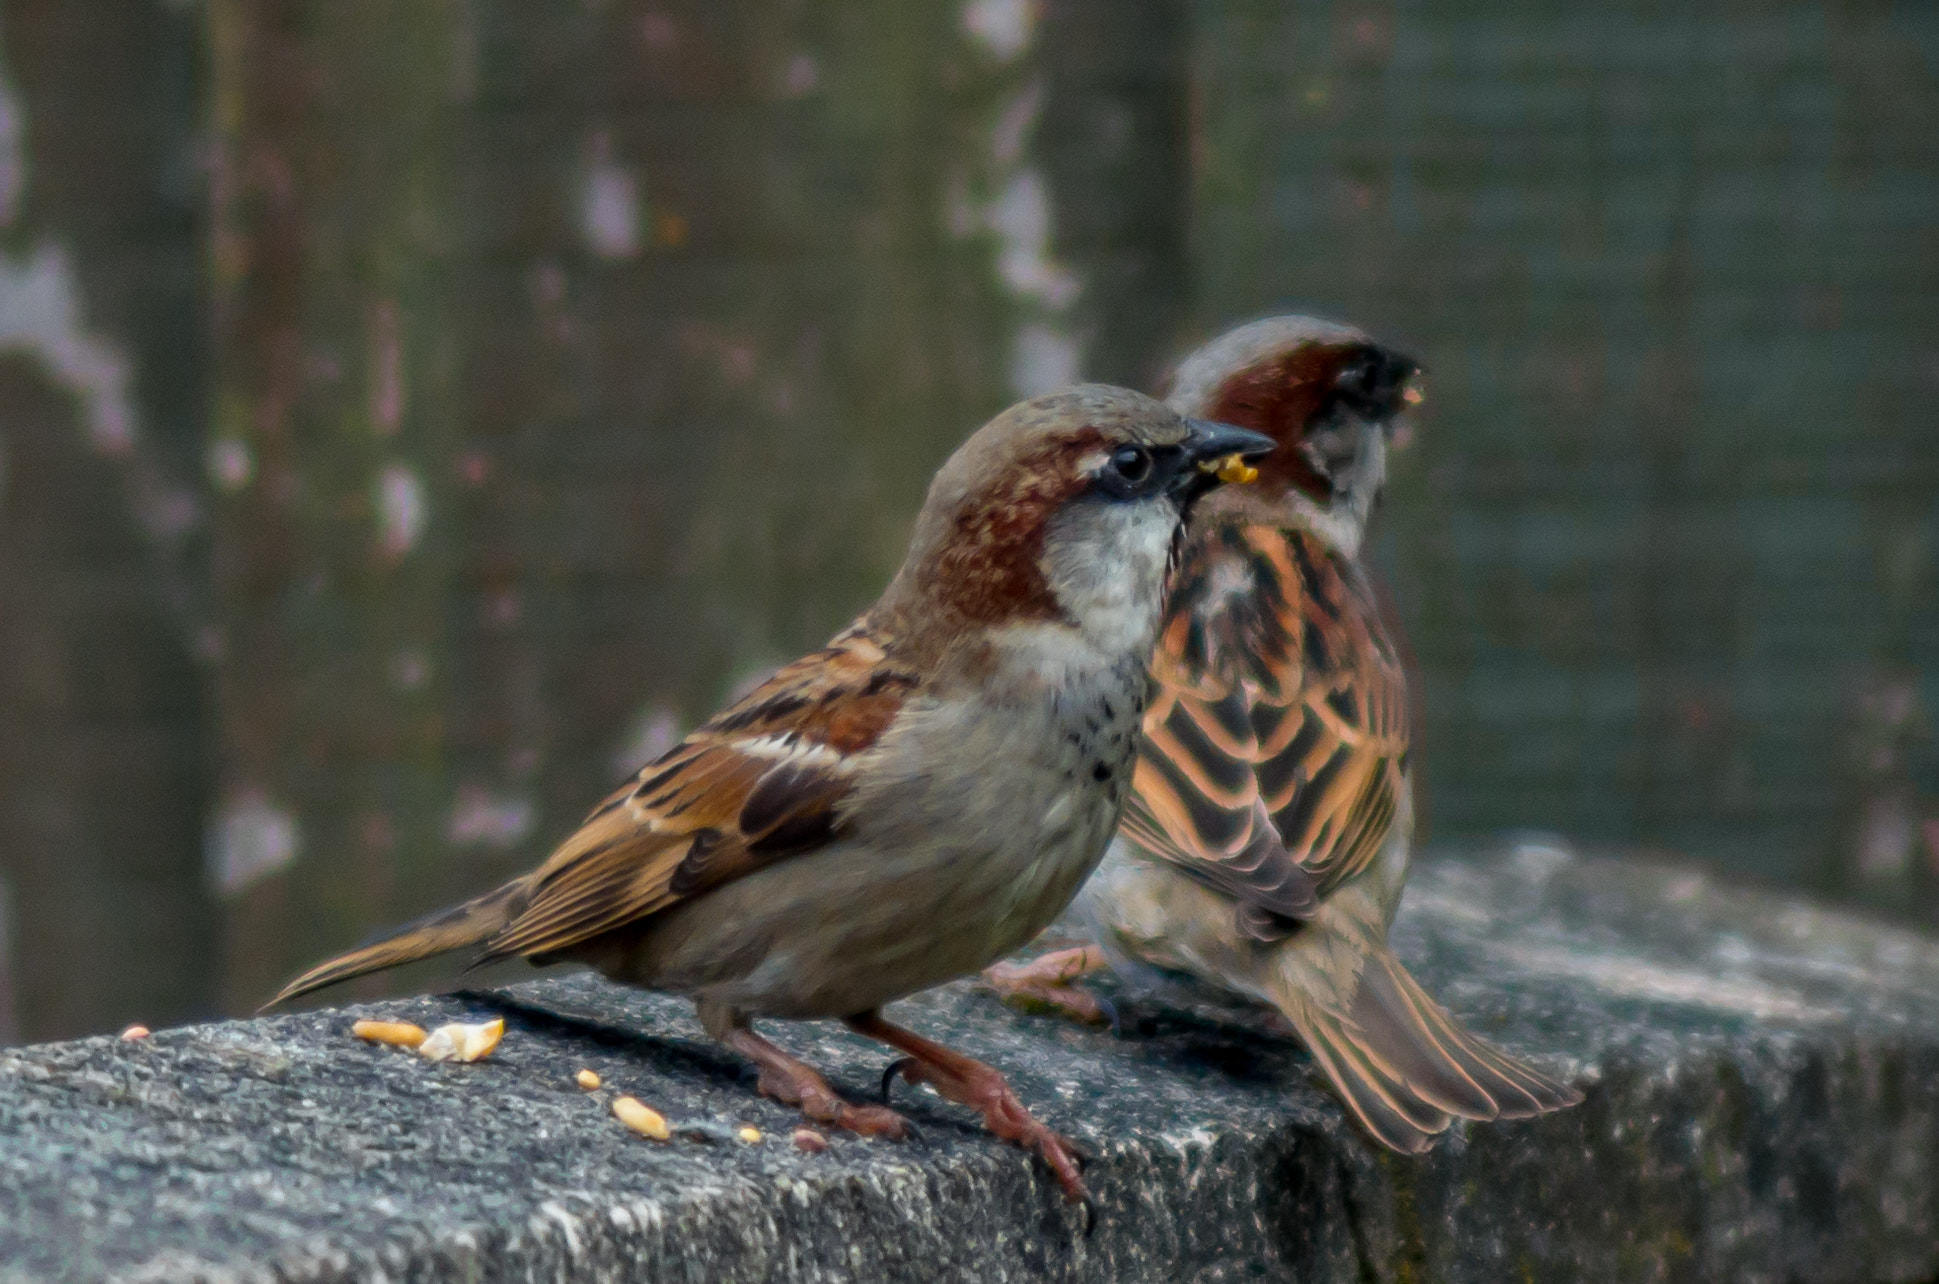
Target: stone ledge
1763 1081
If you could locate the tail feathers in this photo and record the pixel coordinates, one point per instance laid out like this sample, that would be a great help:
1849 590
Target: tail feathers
472 923
1406 1070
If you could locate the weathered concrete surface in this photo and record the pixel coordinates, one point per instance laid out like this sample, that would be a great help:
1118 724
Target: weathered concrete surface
1763 1104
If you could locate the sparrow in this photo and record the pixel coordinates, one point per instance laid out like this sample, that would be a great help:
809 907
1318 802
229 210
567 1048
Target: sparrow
910 803
1266 842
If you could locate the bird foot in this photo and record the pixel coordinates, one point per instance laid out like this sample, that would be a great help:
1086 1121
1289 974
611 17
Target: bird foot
793 1082
1043 986
969 1082
982 1088
819 1103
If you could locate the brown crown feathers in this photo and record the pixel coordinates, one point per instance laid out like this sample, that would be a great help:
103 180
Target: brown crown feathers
1291 378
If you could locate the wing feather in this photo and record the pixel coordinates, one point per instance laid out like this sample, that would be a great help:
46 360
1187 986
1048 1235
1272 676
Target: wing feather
761 782
1274 747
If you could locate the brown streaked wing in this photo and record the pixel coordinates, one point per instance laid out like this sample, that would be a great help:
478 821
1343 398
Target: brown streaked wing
1194 802
1273 750
1349 751
760 782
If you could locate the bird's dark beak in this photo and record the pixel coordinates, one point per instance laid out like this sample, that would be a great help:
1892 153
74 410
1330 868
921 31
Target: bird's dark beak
1217 453
1379 384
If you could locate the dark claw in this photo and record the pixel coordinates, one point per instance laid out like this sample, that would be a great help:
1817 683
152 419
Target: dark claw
1089 1205
888 1076
1116 1018
1083 1152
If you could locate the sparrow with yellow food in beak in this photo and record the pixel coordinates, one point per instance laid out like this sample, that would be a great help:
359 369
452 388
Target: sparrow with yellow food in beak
910 803
1267 838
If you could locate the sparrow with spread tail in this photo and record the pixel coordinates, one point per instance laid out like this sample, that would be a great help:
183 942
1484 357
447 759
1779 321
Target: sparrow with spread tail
1267 838
910 803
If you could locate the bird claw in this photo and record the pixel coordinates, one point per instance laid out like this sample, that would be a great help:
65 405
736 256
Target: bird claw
1065 1164
872 1121
898 1066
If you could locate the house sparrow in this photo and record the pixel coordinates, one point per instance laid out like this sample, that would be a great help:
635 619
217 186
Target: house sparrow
910 803
1267 838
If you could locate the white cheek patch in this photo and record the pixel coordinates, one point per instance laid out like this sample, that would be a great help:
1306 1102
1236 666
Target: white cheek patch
1094 462
1343 523
1107 563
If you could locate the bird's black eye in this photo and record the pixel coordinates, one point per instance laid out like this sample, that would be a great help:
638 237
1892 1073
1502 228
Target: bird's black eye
1132 463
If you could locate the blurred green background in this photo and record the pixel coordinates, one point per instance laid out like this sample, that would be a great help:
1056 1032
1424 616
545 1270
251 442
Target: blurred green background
413 416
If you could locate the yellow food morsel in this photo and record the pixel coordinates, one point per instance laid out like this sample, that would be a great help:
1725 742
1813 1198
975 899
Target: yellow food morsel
1237 471
398 1034
462 1042
641 1118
